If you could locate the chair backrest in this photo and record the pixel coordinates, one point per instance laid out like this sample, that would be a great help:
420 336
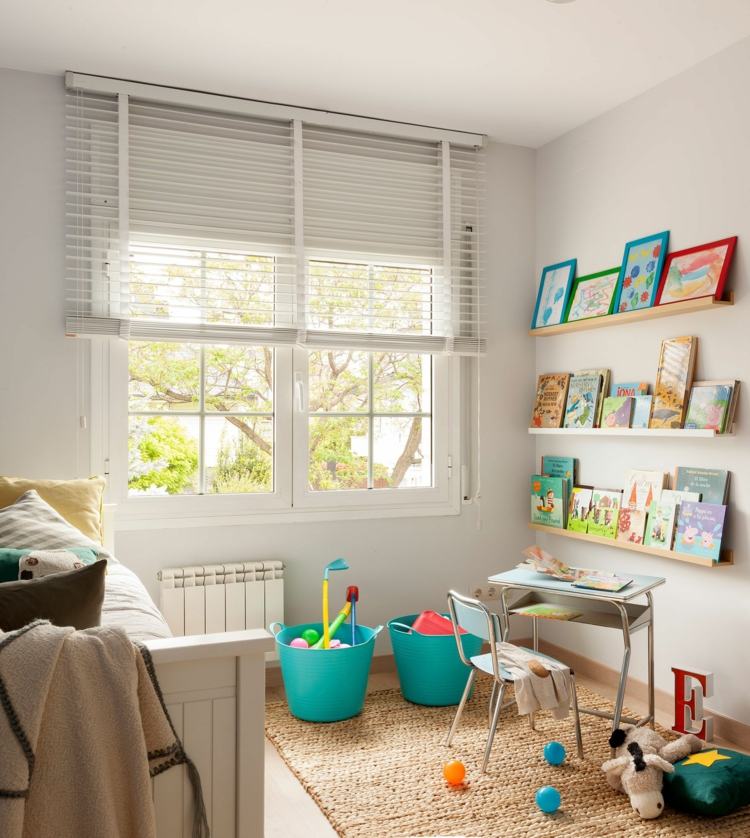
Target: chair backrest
473 616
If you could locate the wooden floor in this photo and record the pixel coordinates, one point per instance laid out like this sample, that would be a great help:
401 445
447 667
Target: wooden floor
291 813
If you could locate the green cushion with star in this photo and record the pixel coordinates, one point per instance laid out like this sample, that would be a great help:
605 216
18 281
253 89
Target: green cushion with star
714 782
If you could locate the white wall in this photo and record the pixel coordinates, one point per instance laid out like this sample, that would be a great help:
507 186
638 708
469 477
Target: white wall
400 565
675 158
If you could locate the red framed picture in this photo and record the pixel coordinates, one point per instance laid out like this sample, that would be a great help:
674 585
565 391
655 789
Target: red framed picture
696 272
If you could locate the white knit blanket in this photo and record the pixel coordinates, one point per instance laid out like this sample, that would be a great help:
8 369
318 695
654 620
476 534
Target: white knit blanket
532 691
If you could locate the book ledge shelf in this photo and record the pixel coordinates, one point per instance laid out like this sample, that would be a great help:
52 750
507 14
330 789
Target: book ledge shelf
726 557
685 433
670 310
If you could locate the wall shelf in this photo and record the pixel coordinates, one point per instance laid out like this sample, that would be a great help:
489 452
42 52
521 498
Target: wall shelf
683 433
670 310
726 558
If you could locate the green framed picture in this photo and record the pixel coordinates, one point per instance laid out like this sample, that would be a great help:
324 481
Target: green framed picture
593 295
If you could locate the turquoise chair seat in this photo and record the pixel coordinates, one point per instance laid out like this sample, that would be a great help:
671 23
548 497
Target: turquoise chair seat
484 662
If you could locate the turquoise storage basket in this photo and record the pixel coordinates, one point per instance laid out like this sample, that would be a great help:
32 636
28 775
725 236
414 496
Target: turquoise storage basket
429 668
325 685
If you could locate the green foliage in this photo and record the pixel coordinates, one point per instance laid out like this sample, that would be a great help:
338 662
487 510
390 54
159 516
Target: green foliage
241 467
161 456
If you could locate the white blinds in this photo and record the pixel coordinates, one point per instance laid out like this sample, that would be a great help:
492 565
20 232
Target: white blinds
188 222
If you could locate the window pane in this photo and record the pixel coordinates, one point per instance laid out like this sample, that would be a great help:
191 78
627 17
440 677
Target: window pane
238 454
238 379
338 295
402 383
338 381
402 451
163 455
402 299
338 453
165 283
239 289
163 376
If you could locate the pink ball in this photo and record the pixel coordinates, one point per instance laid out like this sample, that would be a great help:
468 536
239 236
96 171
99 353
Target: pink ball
334 644
299 643
344 646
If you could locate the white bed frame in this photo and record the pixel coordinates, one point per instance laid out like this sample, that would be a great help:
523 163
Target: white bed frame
214 688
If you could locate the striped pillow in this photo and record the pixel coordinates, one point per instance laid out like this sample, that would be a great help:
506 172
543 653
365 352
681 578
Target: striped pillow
32 523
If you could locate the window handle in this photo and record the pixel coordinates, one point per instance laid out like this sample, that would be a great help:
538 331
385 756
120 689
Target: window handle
299 392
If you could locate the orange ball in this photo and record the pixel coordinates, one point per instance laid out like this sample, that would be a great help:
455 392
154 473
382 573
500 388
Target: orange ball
454 772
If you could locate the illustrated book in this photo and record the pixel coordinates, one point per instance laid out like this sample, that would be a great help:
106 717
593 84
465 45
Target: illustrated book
551 395
674 377
605 510
548 501
700 528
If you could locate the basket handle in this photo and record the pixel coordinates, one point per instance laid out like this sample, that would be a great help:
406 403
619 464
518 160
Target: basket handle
281 627
402 627
376 631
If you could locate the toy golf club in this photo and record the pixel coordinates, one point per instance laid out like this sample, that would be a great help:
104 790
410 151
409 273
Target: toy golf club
352 595
337 564
335 626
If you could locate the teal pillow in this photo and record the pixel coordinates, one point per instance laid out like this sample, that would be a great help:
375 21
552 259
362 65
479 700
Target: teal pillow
714 782
10 557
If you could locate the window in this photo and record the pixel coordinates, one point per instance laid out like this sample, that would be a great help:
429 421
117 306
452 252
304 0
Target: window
200 419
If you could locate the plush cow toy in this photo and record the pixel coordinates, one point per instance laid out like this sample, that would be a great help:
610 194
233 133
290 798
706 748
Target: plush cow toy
641 758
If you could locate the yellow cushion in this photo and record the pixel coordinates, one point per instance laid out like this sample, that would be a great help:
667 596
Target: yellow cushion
78 501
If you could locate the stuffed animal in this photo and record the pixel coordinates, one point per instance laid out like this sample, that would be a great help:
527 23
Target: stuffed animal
641 758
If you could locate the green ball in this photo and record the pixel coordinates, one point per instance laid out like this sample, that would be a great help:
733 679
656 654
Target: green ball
311 636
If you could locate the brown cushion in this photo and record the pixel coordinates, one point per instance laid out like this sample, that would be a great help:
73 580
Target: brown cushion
72 598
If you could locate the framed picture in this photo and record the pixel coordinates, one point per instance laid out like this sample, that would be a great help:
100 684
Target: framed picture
696 272
593 295
554 290
640 272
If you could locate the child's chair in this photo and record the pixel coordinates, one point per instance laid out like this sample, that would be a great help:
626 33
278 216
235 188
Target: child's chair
472 616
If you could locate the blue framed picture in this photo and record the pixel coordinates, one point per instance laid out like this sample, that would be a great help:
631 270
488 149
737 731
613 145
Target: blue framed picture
554 290
640 273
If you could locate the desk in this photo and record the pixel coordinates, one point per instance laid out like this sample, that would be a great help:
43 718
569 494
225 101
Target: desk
600 608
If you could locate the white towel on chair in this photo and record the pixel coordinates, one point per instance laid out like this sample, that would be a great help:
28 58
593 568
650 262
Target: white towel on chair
532 692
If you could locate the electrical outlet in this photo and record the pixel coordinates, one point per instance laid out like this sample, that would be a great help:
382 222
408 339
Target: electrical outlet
486 593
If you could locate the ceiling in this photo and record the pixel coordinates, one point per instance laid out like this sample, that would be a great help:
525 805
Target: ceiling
523 71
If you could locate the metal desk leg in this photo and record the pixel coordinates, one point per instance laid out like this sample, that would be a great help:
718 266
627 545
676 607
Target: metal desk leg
534 634
624 668
651 703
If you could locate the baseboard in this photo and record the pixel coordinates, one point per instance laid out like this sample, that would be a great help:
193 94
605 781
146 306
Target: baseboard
732 730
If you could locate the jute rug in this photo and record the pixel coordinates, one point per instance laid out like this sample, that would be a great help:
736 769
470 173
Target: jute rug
380 775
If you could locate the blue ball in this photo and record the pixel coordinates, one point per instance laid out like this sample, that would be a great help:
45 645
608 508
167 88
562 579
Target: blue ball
548 799
554 753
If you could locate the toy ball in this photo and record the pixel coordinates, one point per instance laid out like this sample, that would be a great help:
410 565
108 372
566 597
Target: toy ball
548 799
334 644
310 636
344 646
454 772
554 753
299 643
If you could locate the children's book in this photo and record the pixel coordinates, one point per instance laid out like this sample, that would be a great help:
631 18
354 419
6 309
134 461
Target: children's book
602 582
709 406
629 388
710 483
700 527
660 524
605 509
564 467
676 497
580 505
551 395
583 397
641 411
540 561
642 487
617 411
547 611
548 501
603 390
631 525
673 379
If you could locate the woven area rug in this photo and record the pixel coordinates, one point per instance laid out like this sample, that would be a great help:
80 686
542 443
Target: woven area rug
379 775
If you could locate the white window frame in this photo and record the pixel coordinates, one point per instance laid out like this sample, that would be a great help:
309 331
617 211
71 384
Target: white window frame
290 500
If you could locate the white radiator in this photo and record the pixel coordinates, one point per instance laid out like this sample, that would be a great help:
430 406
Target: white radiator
221 597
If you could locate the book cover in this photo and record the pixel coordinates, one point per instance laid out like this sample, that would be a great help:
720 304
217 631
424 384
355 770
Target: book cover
631 525
629 388
710 483
547 611
700 527
673 379
708 407
660 523
617 411
583 397
602 582
580 505
603 390
642 487
676 497
551 395
548 501
641 411
564 467
605 509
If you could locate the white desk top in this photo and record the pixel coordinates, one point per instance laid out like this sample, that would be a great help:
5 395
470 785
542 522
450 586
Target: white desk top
521 578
